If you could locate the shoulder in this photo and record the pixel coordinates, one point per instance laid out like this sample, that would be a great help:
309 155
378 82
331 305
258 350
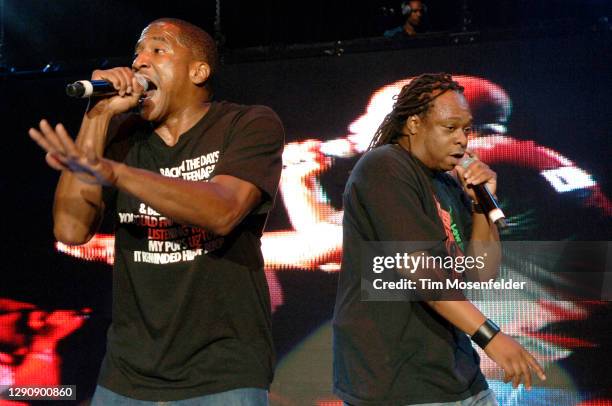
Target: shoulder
251 122
393 32
242 112
387 161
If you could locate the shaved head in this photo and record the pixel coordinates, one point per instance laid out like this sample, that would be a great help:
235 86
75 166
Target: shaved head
192 37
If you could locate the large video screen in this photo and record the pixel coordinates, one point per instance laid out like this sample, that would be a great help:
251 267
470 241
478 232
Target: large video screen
541 121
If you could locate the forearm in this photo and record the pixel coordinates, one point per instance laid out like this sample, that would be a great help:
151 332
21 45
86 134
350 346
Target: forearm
203 204
460 313
77 205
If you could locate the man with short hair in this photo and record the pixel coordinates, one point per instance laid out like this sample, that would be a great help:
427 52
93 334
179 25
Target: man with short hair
190 182
417 352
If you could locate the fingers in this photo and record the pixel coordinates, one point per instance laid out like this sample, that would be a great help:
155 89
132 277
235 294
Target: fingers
520 370
52 141
516 378
508 375
66 141
478 172
40 139
54 162
536 367
63 154
526 374
52 137
121 78
60 148
472 154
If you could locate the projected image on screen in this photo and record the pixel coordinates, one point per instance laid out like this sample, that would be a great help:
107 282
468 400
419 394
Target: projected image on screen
312 239
29 337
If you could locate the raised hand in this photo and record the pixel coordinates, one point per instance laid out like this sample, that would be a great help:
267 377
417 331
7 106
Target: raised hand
128 89
476 173
64 155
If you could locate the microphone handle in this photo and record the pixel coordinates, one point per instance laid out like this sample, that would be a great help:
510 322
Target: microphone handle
489 205
88 88
98 88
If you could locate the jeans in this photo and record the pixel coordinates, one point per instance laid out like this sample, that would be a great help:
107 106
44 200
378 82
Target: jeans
484 398
235 397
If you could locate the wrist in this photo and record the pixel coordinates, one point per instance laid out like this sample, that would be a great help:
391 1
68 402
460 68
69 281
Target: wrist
485 333
97 112
477 208
116 169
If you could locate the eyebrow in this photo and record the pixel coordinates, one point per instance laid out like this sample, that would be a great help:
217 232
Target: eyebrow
457 118
157 38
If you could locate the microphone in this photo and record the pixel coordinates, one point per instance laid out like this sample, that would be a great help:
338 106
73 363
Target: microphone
97 88
486 199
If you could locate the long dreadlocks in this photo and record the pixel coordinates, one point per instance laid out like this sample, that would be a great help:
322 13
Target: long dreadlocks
414 99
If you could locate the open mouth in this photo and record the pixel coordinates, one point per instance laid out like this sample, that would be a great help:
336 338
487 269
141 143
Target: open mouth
151 89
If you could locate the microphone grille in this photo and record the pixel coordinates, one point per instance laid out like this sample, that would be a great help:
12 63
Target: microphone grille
143 81
466 161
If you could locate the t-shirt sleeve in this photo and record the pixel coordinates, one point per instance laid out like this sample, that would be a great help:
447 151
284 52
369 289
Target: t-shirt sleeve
391 198
253 151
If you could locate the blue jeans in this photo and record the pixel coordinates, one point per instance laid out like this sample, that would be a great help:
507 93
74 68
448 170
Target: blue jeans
235 397
484 398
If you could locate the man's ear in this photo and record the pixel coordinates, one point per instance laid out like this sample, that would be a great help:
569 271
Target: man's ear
200 72
411 125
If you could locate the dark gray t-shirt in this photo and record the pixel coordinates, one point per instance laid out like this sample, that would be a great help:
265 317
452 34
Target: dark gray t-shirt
398 353
191 309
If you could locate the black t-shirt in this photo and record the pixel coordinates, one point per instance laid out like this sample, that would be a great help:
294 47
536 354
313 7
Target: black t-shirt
191 310
398 353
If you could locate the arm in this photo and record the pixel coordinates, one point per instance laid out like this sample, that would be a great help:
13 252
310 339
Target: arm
389 186
516 362
78 205
217 206
250 167
485 236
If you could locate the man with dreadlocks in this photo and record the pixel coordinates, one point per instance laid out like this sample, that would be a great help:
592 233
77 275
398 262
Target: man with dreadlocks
417 352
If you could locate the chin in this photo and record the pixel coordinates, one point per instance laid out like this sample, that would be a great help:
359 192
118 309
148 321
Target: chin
148 113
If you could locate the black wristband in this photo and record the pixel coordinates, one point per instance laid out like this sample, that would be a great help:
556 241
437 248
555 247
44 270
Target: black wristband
477 208
485 333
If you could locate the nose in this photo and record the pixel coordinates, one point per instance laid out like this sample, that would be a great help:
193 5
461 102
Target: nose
462 139
141 61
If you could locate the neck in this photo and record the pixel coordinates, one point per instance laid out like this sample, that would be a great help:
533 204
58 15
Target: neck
171 129
415 150
409 28
404 142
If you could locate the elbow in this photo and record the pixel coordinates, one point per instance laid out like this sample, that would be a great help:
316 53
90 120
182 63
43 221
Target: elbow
225 223
70 235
